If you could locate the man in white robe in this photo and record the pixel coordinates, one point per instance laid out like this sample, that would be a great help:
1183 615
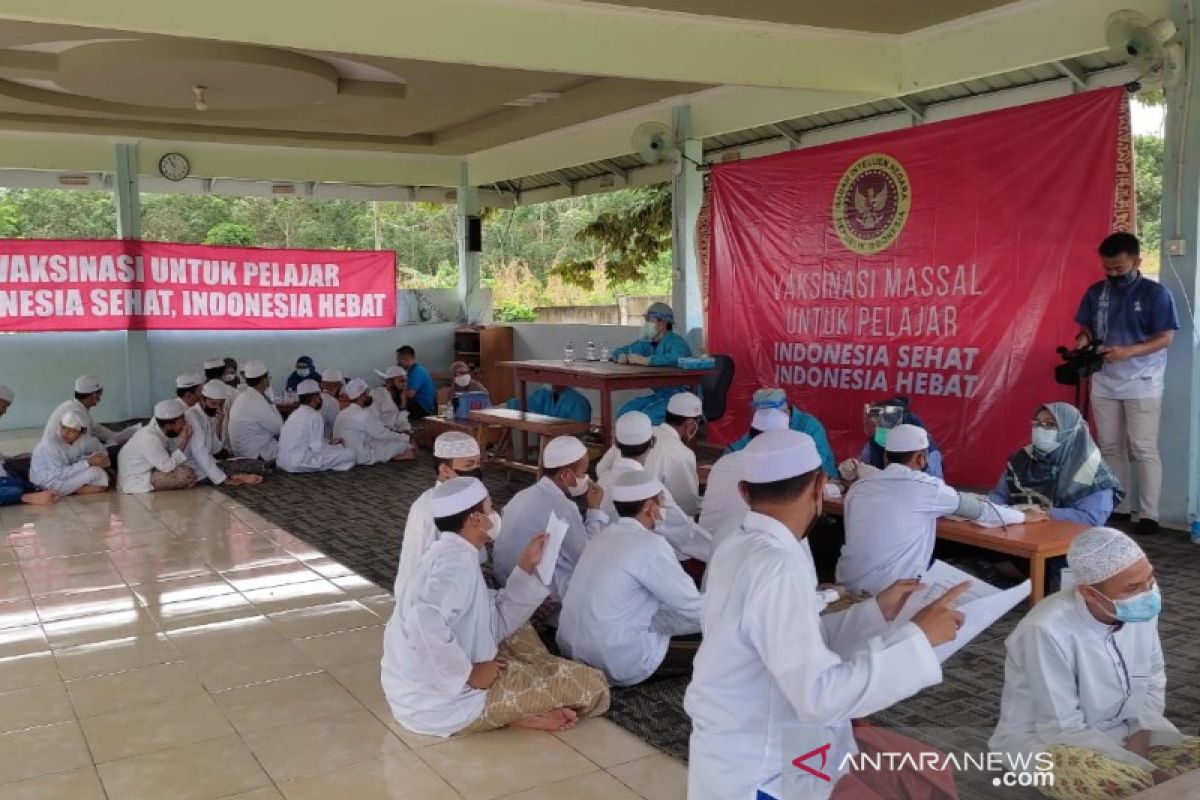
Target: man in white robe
333 382
628 595
89 391
564 477
205 415
362 432
155 459
59 466
1085 680
15 489
722 508
672 460
769 661
254 421
303 445
390 401
458 657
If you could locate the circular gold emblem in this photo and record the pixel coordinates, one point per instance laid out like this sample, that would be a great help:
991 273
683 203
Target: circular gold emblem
871 203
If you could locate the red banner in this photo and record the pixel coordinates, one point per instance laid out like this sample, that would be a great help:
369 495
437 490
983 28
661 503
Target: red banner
943 262
60 285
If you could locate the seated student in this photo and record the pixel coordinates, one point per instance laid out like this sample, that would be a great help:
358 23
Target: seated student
1084 679
204 415
891 516
459 658
634 437
421 400
564 478
155 459
882 417
254 421
303 445
59 466
672 460
363 433
1061 470
723 508
629 595
13 489
659 346
88 393
390 401
798 421
305 370
455 455
332 401
769 661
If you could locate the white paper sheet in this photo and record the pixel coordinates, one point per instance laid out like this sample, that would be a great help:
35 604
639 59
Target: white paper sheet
557 529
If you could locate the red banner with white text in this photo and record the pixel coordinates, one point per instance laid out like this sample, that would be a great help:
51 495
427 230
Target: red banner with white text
61 285
943 262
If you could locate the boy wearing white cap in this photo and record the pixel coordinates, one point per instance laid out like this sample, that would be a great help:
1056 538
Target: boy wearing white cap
769 661
722 508
367 437
332 402
564 476
1084 679
88 393
389 402
254 421
205 414
672 460
59 466
303 445
155 459
628 595
891 515
458 657
14 489
633 435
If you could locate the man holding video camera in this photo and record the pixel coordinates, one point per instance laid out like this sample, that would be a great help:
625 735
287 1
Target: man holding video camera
1133 319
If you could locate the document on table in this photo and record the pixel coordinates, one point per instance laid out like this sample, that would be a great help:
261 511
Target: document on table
557 529
981 605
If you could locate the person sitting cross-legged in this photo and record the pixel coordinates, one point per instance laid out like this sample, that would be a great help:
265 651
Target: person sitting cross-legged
362 432
14 489
303 445
155 459
59 466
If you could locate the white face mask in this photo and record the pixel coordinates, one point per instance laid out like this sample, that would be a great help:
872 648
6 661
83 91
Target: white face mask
462 380
494 531
649 329
581 486
1045 440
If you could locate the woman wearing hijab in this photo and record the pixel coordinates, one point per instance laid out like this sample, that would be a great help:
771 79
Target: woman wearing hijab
305 370
873 451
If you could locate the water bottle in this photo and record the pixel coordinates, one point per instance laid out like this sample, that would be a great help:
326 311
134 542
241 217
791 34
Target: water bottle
591 351
1196 531
569 352
605 354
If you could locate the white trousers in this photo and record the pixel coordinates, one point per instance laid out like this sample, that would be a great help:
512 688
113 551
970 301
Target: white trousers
92 476
1128 432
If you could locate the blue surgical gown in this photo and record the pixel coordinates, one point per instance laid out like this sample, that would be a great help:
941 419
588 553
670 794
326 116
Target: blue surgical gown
569 405
664 353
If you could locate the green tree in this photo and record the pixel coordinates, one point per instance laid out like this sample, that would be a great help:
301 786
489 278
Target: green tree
1148 178
629 235
230 233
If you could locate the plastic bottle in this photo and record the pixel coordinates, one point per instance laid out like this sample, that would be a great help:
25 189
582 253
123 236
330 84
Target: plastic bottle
569 352
605 353
591 351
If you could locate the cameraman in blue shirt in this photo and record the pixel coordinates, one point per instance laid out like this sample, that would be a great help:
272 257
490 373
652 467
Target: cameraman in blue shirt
1134 319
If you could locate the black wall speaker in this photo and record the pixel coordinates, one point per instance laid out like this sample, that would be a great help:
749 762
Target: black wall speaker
474 235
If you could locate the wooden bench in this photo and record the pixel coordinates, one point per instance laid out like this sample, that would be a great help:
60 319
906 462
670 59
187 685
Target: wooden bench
1035 542
509 420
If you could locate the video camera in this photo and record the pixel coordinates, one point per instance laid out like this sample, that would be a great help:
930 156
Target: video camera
1078 364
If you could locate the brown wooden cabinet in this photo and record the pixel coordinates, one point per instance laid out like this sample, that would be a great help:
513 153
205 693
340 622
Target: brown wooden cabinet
484 348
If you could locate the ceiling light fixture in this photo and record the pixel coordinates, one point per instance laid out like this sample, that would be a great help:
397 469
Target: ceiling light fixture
198 92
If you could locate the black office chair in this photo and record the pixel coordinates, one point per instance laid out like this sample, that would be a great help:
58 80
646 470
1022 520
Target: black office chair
715 387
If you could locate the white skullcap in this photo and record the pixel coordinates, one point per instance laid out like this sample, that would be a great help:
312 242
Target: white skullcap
563 451
685 404
254 369
907 439
633 485
87 384
308 386
633 427
455 444
169 409
1099 553
215 390
779 455
73 421
770 419
7 394
214 363
188 380
456 496
392 372
355 389
332 376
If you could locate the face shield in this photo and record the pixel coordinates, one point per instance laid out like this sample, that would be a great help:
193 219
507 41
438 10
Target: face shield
878 415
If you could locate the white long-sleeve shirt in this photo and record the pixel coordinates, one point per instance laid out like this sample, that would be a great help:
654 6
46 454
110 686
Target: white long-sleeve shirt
204 444
688 539
330 408
58 466
97 437
769 661
254 426
674 463
148 450
891 527
386 411
527 514
626 576
303 446
445 621
723 509
1071 679
368 438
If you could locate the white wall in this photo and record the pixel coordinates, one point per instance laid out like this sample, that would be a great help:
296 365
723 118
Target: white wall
540 341
41 368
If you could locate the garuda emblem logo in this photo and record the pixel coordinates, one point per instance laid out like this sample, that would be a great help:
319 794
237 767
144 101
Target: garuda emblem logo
871 203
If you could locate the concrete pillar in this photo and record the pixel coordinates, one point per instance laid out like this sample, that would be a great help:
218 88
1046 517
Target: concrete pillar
687 193
1180 438
468 262
139 396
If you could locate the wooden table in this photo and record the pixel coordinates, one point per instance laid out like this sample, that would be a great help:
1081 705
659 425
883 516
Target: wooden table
509 420
1035 542
605 377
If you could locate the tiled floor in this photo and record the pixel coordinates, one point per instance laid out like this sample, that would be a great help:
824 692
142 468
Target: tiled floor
178 646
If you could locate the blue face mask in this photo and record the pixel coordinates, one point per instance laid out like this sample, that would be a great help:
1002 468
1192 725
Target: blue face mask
1141 607
1045 440
881 435
1123 281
